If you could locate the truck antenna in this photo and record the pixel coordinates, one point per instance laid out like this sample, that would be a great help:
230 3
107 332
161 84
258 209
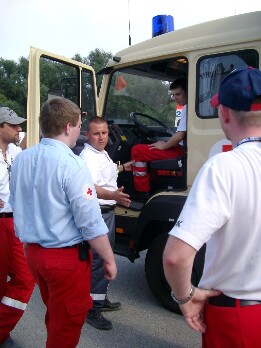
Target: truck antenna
129 22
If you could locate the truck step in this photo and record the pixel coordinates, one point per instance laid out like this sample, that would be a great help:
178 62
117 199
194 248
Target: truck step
136 205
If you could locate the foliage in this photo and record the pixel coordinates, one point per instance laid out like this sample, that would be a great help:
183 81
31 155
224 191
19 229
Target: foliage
13 84
14 75
98 59
142 94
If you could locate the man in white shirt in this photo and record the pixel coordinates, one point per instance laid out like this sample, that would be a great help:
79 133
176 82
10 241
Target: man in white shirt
104 175
222 210
141 154
15 293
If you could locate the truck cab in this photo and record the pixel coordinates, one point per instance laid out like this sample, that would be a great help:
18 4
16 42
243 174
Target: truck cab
135 101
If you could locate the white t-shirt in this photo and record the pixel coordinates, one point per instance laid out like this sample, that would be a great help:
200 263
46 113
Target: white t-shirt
103 170
12 151
223 209
182 127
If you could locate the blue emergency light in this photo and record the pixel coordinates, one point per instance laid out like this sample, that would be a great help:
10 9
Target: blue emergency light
162 24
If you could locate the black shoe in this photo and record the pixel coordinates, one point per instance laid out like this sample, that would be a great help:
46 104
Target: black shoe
97 320
9 343
110 306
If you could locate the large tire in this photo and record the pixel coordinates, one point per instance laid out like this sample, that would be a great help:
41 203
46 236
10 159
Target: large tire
155 274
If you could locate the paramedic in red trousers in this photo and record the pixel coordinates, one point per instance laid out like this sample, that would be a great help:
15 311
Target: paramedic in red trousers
55 209
104 174
15 292
222 210
141 154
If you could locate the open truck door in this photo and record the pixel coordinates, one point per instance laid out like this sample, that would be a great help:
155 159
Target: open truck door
51 75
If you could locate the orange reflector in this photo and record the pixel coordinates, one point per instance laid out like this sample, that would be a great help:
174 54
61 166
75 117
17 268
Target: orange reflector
119 230
132 243
164 172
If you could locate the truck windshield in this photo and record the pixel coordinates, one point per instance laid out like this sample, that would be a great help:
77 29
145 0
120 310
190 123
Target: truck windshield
145 89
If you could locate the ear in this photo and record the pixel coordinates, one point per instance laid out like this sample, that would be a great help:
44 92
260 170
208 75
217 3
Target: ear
224 113
67 128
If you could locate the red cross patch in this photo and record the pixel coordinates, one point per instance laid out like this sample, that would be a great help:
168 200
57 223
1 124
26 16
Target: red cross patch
88 192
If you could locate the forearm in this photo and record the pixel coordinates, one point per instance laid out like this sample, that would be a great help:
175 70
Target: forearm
179 279
104 194
102 246
174 140
118 195
178 261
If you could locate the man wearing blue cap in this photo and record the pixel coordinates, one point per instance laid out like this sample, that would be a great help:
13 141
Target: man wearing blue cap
222 210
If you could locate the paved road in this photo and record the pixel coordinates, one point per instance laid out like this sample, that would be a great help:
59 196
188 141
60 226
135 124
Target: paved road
141 323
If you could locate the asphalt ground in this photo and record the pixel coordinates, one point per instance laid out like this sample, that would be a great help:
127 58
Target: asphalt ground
141 323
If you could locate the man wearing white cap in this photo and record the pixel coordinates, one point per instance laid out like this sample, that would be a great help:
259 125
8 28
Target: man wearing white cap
16 281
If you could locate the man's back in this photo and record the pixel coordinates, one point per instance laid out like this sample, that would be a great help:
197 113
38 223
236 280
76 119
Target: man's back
49 181
235 178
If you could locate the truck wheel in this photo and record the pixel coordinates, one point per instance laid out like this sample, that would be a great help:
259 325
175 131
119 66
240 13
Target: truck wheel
155 274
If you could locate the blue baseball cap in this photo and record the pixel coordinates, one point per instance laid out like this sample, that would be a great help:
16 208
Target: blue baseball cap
239 89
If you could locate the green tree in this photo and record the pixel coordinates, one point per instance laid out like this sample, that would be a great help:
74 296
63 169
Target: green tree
13 84
14 77
97 59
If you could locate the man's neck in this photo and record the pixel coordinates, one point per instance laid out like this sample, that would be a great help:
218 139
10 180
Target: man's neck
94 147
252 133
3 147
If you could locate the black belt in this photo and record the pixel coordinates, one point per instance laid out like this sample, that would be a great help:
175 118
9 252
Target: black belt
226 301
107 208
6 215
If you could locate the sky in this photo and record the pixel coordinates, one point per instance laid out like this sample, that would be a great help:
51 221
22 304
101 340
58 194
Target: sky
68 27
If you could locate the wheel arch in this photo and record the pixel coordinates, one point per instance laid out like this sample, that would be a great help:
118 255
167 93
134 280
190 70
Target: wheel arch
157 217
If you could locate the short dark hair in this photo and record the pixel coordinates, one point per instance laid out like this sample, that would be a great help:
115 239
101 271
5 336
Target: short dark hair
55 114
94 119
180 82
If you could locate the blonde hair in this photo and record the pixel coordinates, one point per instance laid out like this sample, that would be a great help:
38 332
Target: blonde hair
249 118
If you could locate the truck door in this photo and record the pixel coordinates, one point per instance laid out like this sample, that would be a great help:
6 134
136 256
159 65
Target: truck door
50 76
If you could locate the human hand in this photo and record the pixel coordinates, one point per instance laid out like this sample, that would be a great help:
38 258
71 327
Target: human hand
160 145
127 167
1 203
25 248
121 197
110 270
193 310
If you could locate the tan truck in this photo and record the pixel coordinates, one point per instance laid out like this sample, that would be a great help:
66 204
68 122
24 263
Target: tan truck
135 100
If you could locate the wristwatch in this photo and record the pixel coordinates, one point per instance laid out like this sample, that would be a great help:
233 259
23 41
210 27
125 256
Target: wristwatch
184 300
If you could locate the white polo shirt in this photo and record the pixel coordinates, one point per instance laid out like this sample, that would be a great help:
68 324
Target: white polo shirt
223 210
103 170
12 151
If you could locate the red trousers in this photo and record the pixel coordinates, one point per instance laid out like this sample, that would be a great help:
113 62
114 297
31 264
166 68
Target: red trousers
64 283
16 281
232 327
142 154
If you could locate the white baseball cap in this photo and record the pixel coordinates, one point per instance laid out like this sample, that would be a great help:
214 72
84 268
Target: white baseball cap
9 116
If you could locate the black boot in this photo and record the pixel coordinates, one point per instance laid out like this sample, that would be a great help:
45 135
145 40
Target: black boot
110 306
9 343
97 320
